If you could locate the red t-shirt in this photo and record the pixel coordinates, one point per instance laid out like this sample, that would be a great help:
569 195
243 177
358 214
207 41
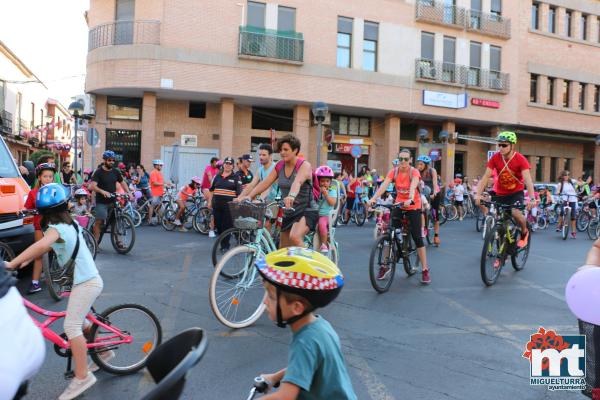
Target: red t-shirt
510 179
209 175
157 177
30 205
351 194
402 184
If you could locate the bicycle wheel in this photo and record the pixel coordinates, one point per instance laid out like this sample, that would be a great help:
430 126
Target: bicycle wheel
122 234
583 220
479 222
492 258
442 215
230 238
542 223
429 229
6 253
487 226
360 215
519 258
135 216
143 211
592 228
239 302
90 241
382 264
201 220
410 258
566 224
168 219
52 271
451 212
131 320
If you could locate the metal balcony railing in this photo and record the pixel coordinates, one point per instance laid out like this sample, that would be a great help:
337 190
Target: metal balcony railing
124 32
461 75
488 24
438 12
267 43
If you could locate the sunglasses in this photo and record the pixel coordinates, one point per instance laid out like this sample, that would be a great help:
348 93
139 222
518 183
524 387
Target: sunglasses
404 158
228 163
503 145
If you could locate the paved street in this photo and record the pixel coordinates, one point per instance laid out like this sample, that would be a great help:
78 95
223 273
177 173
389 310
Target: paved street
455 339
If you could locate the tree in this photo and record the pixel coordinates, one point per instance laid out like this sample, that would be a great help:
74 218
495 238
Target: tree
36 155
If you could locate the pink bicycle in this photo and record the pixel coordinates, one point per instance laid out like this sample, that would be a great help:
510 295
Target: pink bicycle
131 331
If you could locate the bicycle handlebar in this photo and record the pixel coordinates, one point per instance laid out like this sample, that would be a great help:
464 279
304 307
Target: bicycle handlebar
260 385
395 205
503 206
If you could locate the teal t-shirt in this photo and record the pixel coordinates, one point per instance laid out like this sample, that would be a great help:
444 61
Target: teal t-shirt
85 267
324 207
262 174
316 364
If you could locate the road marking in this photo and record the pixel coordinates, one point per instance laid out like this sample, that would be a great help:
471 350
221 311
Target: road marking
375 387
542 289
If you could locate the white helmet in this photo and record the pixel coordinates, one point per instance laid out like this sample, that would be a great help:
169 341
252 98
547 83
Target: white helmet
81 192
158 162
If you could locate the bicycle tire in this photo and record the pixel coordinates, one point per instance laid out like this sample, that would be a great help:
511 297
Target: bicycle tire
51 268
542 222
168 218
334 254
131 322
360 215
566 225
519 264
479 222
378 259
6 253
583 220
237 237
442 217
120 225
201 220
236 298
491 251
410 258
451 212
428 229
592 228
136 217
90 241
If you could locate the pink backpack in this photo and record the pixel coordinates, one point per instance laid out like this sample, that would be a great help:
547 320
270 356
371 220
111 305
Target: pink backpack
316 188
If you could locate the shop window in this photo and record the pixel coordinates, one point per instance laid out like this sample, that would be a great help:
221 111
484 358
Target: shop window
272 118
408 132
126 144
197 110
124 108
353 126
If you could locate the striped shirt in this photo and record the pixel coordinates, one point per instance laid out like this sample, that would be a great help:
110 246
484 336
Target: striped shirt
225 189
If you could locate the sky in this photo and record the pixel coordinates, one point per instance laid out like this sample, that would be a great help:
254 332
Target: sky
50 37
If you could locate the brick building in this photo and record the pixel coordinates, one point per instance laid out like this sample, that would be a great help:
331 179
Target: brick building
227 72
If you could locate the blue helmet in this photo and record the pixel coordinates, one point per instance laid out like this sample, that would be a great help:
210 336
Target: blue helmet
425 159
52 198
108 154
395 162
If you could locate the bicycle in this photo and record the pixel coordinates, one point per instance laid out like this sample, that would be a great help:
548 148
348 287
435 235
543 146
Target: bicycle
260 385
134 214
584 216
121 226
104 335
387 251
358 212
196 215
501 242
566 219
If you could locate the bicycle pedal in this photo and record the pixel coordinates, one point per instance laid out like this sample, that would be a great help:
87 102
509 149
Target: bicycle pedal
69 375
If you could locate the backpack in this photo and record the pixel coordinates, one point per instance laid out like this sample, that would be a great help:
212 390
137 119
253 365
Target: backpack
316 188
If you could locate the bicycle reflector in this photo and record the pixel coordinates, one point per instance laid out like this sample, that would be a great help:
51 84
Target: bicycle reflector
147 347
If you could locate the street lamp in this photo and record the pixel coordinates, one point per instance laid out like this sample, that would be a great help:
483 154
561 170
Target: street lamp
422 135
74 109
319 110
443 135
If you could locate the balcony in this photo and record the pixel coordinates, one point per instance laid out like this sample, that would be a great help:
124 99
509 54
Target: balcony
437 12
461 76
271 45
124 32
440 13
6 122
488 24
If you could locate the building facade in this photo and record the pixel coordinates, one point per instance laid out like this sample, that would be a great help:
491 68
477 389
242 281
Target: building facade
226 76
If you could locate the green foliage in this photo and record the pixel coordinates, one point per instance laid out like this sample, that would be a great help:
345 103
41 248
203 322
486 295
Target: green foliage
35 156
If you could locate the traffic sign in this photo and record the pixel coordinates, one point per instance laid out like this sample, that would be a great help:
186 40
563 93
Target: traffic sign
435 154
356 151
490 154
91 137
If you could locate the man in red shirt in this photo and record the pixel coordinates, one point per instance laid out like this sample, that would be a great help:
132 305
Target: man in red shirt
157 188
209 174
513 175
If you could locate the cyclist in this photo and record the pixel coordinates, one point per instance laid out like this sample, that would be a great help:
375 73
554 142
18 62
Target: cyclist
406 180
104 182
430 177
327 200
294 177
513 176
354 188
244 173
459 197
157 188
61 234
186 194
568 194
210 172
298 281
225 187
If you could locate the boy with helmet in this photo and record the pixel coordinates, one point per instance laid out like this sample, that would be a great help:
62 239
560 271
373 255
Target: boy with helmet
298 281
186 194
513 176
327 200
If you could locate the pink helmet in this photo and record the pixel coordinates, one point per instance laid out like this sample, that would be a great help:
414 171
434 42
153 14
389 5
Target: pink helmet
197 179
87 171
324 172
220 163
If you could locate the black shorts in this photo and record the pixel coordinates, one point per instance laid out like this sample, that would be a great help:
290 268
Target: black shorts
458 203
510 199
350 203
311 216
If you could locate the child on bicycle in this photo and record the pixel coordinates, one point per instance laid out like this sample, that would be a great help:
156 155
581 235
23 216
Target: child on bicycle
45 175
186 194
61 235
298 281
81 209
327 200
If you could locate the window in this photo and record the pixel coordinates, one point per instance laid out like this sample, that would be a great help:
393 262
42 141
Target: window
124 108
535 12
568 16
583 27
566 94
124 15
533 88
286 19
354 126
550 91
272 118
427 46
581 95
371 35
495 58
256 14
197 110
126 144
496 8
474 77
597 98
344 42
552 20
449 67
475 21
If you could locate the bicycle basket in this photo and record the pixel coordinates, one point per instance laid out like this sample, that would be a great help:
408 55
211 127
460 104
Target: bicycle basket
247 215
592 358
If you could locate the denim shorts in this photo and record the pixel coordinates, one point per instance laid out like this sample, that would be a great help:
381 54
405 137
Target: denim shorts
101 210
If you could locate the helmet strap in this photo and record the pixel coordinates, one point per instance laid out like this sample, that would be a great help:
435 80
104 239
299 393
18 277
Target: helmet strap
280 322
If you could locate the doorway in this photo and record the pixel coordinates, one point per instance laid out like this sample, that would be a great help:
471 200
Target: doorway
126 144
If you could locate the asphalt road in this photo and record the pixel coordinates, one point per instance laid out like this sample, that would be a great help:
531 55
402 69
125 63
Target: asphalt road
454 339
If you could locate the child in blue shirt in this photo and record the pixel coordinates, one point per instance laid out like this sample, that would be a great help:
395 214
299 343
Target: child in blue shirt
298 281
327 200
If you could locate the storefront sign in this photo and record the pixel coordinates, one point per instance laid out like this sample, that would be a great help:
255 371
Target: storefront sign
356 141
447 100
346 148
485 103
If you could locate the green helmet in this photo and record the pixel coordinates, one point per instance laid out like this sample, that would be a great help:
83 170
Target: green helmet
507 136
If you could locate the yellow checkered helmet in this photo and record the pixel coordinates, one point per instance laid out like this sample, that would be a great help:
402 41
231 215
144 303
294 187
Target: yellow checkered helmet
304 272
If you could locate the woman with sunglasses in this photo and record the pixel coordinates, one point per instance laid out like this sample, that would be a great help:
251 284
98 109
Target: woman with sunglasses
225 187
406 180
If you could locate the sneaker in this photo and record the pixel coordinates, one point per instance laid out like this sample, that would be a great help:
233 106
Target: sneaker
425 278
211 234
182 228
497 263
573 235
105 356
77 387
436 241
34 288
523 241
177 222
460 219
383 272
324 249
558 229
